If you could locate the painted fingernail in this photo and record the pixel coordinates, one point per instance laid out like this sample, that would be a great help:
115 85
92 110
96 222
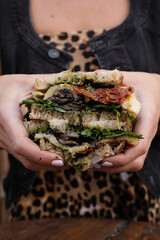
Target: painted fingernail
95 166
107 164
57 163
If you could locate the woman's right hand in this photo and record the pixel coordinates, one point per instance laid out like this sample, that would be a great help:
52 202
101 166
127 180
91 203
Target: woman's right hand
13 135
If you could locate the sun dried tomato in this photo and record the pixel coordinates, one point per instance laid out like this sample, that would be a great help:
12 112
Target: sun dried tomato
115 95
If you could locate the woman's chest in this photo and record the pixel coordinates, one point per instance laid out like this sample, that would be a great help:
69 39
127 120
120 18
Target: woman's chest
54 16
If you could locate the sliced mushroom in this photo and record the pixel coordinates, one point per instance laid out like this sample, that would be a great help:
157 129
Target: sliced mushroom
73 106
67 142
62 96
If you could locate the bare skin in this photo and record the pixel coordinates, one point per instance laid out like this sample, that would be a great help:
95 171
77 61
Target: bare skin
146 122
59 15
14 138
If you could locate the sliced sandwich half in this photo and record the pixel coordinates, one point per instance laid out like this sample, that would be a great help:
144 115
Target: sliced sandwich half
82 116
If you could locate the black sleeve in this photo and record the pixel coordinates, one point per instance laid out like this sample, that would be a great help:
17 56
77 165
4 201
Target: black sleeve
7 30
153 17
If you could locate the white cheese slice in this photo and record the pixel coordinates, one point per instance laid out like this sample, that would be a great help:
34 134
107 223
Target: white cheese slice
132 105
109 124
58 125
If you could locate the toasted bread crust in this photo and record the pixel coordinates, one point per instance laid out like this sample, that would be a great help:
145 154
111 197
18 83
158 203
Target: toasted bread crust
99 76
60 114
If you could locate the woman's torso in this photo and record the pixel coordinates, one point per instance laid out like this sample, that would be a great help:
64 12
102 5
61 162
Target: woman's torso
67 193
23 51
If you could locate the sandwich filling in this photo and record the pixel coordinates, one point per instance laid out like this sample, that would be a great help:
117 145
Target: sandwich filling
83 117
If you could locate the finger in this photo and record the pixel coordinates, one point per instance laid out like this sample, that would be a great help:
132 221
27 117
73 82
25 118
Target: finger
32 151
130 167
36 167
24 86
55 164
133 78
4 140
148 131
129 155
147 123
20 142
30 164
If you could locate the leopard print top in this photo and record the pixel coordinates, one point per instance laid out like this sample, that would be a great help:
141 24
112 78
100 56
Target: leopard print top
69 193
76 44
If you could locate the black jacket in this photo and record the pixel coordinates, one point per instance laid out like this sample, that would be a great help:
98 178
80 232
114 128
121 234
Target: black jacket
132 46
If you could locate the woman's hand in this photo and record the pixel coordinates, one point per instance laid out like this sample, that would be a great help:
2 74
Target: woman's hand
13 136
147 91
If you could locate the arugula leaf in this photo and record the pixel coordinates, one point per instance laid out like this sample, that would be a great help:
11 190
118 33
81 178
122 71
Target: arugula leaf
118 133
106 132
110 107
58 109
92 133
39 130
130 117
49 105
28 102
97 134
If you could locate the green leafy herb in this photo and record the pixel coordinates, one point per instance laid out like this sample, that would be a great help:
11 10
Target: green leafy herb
93 132
130 117
28 102
110 107
49 105
76 80
59 109
89 87
39 130
97 134
106 132
118 133
118 114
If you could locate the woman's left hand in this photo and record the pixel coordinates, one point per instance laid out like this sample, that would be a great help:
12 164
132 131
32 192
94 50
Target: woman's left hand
147 91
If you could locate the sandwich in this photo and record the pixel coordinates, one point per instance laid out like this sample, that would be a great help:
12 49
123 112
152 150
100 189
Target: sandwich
82 116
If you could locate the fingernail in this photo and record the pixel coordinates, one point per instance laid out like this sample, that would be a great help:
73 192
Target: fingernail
57 163
95 165
107 164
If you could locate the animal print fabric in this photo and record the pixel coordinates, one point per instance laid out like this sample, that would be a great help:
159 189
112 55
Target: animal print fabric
69 193
76 44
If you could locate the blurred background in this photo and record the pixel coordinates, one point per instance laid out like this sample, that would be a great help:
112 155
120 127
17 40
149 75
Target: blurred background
3 171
